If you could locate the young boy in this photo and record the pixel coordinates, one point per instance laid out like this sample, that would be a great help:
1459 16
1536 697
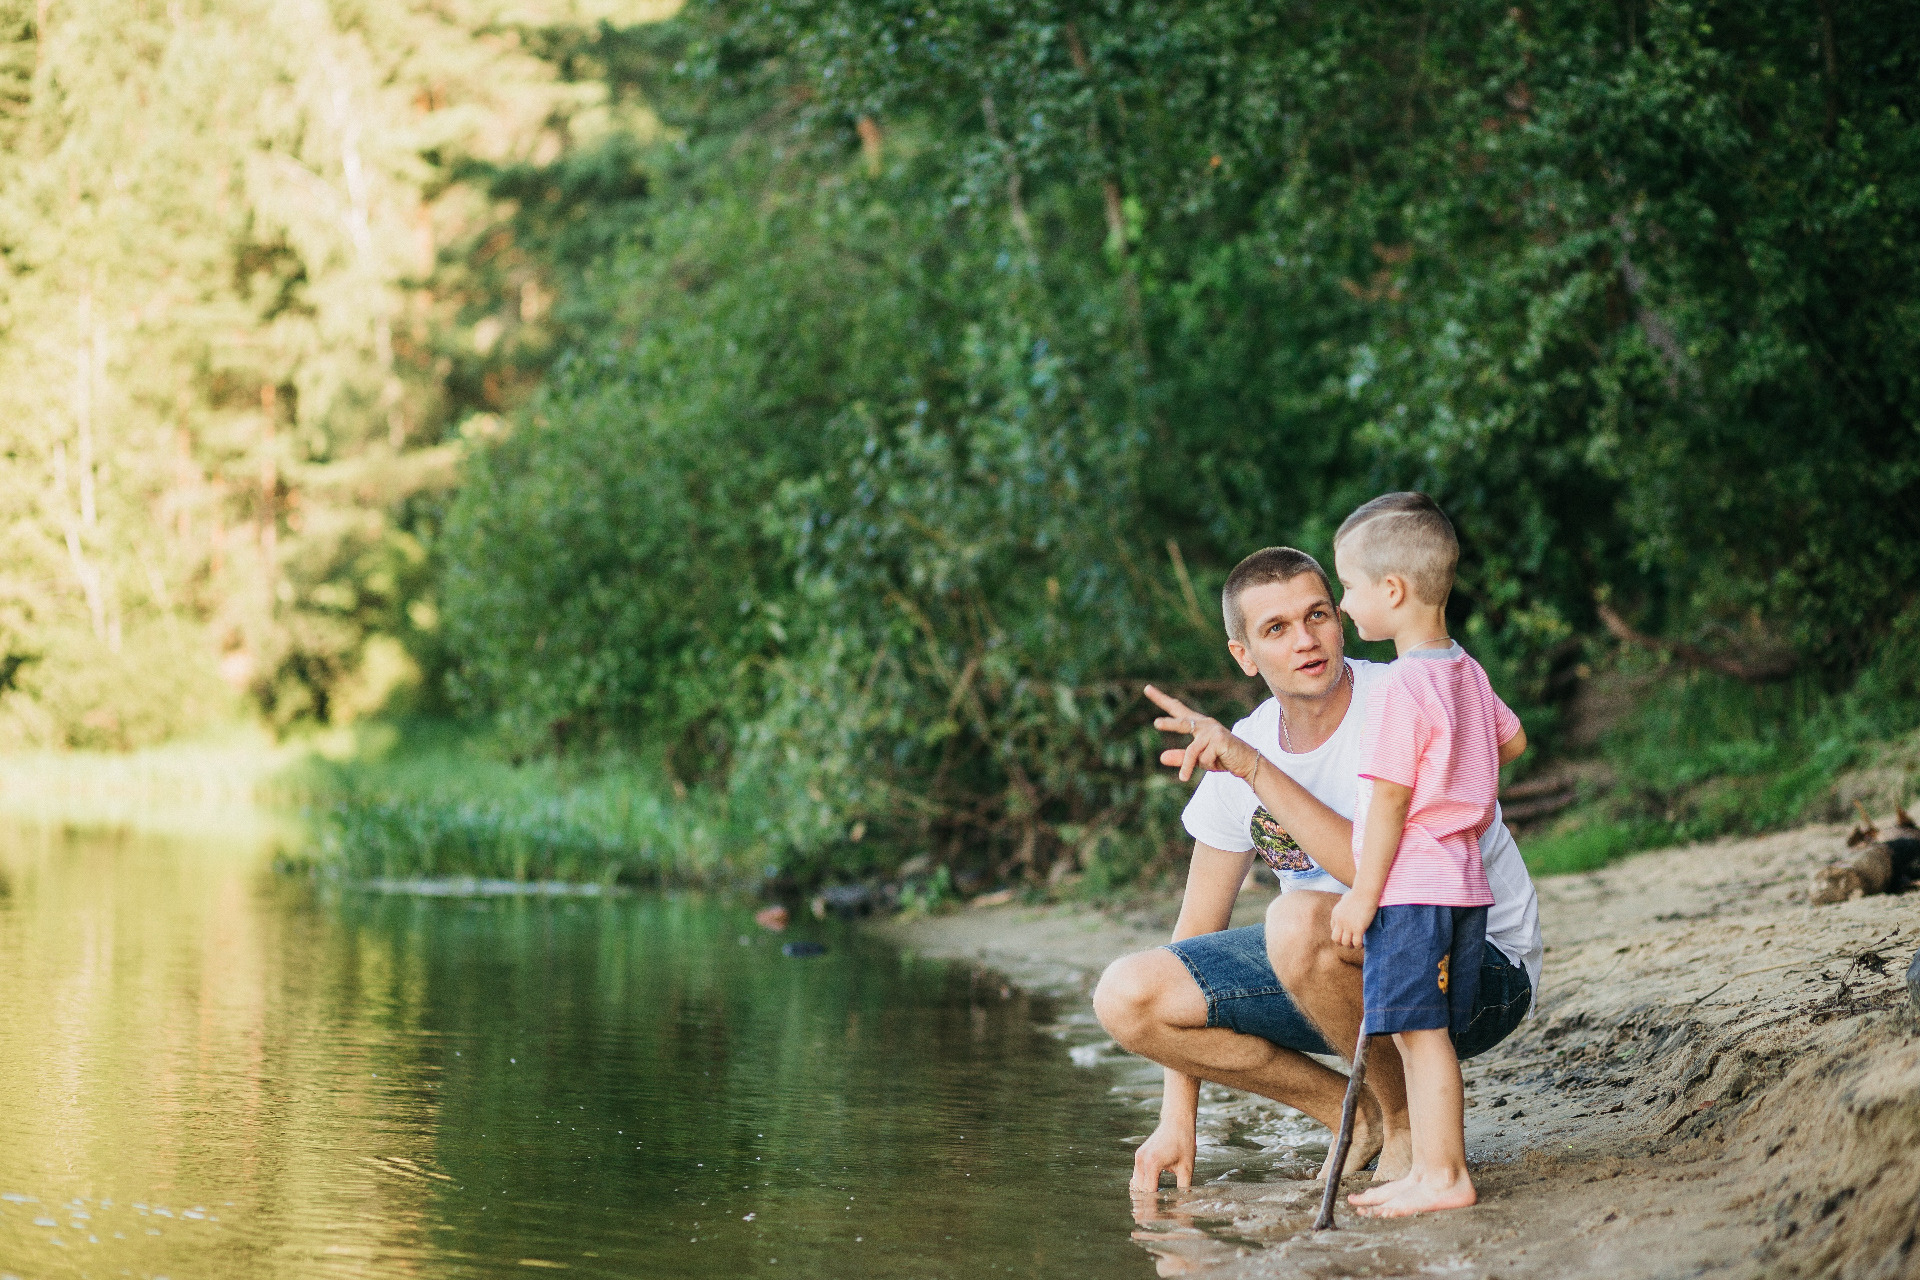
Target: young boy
1429 776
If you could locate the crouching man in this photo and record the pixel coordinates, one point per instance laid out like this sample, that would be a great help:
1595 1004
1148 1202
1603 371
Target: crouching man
1244 1007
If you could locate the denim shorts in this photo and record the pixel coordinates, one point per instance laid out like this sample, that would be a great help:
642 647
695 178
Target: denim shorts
1423 968
1232 970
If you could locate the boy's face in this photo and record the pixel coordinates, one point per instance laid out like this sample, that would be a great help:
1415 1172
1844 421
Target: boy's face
1294 641
1370 604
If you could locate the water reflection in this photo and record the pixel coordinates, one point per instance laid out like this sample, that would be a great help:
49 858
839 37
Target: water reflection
215 1072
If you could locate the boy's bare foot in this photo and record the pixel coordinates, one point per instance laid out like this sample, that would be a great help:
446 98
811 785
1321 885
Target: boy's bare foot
1428 1193
1380 1192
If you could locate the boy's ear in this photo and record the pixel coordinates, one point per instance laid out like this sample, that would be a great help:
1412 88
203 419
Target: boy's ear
1241 656
1396 589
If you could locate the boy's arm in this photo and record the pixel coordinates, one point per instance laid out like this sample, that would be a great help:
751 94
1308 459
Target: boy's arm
1507 727
1510 749
1379 845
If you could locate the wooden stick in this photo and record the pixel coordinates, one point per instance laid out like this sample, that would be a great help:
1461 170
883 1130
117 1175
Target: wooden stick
1344 1140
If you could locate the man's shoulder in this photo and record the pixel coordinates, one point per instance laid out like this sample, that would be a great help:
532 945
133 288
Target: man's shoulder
1260 717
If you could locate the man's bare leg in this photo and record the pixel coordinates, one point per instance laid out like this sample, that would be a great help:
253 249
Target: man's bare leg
1151 1006
1324 980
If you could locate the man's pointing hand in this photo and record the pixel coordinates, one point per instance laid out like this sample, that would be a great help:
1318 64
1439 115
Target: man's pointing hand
1212 748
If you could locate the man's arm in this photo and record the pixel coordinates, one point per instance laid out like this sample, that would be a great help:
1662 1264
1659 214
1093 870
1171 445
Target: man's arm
1214 878
1324 835
1213 882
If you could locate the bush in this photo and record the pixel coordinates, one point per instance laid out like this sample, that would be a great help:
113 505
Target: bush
437 805
956 356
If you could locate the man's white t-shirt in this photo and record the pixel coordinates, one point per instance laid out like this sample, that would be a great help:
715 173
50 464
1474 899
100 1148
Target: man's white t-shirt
1225 813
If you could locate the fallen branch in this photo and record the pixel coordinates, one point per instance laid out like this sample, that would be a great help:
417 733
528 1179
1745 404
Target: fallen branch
1537 798
1534 788
1889 865
1532 810
1764 670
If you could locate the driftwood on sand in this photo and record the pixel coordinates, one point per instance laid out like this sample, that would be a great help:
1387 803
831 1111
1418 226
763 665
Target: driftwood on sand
1881 863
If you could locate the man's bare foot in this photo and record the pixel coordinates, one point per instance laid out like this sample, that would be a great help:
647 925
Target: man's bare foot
1366 1144
1396 1157
1428 1193
1395 1154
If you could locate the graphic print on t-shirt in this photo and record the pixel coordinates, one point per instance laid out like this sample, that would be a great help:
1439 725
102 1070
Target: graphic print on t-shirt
1277 848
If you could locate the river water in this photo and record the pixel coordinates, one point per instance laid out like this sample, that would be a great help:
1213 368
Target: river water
216 1071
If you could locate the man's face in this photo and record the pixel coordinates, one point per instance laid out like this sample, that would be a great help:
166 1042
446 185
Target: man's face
1294 641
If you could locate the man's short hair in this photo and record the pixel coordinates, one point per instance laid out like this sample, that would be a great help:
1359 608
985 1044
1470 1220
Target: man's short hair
1405 534
1269 564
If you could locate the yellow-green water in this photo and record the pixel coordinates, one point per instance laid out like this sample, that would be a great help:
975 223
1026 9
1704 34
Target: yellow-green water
215 1071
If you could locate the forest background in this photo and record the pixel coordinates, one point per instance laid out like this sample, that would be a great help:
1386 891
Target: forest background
778 438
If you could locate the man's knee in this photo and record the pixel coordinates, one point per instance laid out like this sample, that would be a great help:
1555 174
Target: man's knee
1132 999
1299 938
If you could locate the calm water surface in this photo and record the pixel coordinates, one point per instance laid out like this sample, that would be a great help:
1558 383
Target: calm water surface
214 1071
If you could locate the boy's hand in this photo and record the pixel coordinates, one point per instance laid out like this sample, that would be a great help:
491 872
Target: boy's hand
1351 916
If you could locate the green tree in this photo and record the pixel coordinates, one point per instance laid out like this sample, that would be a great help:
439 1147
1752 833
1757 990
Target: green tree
241 332
961 350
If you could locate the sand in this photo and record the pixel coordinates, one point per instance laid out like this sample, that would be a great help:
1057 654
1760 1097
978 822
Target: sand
1718 1080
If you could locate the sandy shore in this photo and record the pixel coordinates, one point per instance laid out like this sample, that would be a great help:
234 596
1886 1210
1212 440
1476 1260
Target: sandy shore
1719 1080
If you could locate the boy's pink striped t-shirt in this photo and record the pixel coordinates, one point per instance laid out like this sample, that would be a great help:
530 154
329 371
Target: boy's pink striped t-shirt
1436 726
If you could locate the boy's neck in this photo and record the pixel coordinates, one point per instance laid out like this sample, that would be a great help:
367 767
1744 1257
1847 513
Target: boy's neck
1423 627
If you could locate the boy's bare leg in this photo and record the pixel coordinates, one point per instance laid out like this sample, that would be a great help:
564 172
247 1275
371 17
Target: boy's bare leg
1437 1102
1324 980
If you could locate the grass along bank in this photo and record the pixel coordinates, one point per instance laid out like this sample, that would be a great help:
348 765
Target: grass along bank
1652 755
234 783
379 802
1646 756
430 802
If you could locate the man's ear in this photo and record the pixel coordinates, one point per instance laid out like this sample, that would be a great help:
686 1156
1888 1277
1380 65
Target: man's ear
1241 656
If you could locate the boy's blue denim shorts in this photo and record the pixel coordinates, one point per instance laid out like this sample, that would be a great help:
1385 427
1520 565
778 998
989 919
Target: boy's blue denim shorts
1232 971
1422 970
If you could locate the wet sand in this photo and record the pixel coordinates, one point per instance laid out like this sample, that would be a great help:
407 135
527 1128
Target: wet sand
1718 1080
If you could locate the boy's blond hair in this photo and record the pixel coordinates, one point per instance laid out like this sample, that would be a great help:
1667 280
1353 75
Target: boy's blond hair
1405 534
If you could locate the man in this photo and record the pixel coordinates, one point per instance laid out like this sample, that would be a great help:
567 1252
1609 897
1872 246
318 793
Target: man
1245 1007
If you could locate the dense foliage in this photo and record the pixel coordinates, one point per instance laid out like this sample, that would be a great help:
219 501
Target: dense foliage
957 351
842 406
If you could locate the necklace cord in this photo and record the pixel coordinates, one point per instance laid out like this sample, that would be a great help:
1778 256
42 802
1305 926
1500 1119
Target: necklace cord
1286 740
